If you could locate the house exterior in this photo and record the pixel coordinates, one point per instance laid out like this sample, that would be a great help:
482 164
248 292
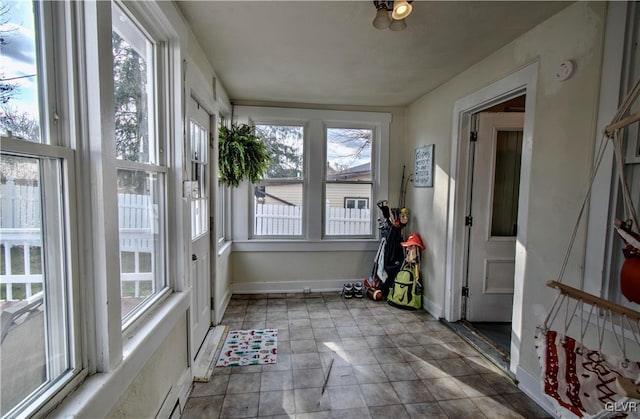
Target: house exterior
142 365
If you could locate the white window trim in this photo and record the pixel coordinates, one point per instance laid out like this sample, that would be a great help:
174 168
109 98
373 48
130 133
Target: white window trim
597 258
59 138
315 122
375 194
112 344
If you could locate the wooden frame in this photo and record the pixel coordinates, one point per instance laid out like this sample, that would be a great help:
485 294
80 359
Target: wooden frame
577 294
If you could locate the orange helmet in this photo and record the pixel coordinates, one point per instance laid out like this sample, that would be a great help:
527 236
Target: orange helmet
414 240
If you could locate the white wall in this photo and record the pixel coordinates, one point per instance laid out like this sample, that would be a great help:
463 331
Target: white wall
312 264
164 369
563 142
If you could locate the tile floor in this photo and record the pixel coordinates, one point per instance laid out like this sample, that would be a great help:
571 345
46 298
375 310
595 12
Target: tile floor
387 363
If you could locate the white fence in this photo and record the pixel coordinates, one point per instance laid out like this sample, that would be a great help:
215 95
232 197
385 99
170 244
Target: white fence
286 220
20 220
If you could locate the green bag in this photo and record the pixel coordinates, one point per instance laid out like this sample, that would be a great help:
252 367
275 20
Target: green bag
406 291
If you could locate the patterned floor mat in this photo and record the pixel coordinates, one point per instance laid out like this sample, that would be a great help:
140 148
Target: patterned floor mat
249 347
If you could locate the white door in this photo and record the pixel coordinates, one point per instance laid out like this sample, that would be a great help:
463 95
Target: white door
198 149
494 216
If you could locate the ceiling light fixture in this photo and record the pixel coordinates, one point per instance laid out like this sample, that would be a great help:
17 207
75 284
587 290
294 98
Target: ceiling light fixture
395 20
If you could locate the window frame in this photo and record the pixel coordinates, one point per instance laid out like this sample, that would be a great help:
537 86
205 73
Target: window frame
316 121
616 80
67 233
157 165
374 177
58 130
282 181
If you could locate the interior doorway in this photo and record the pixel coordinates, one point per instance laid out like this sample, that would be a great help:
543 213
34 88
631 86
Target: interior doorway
199 152
520 85
492 222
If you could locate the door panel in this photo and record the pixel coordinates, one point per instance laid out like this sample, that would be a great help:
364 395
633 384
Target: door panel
494 212
199 152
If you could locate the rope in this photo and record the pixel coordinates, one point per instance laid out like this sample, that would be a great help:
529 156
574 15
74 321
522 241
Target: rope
553 309
629 210
594 171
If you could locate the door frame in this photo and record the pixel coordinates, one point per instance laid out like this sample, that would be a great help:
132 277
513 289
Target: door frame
523 81
208 105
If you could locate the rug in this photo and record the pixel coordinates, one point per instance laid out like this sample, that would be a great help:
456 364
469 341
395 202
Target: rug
249 347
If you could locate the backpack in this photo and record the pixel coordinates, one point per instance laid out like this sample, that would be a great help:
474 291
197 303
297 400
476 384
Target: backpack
406 291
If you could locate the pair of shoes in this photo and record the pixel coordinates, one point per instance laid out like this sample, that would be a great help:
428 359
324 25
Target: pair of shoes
358 290
347 290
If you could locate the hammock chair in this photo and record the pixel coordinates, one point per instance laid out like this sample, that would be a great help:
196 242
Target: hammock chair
582 381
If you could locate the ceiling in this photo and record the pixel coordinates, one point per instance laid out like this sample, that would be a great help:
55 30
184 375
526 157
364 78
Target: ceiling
327 52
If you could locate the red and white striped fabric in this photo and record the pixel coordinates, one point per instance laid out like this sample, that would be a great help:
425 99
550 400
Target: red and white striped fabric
580 380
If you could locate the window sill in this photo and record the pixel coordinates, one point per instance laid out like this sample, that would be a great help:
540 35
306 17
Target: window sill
293 245
98 394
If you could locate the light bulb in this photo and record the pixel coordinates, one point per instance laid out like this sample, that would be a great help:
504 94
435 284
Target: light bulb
401 9
382 20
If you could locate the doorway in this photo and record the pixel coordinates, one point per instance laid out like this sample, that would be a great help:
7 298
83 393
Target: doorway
519 84
492 221
199 151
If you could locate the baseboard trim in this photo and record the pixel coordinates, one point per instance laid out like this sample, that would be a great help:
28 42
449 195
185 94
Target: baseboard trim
530 385
178 394
322 285
220 310
432 308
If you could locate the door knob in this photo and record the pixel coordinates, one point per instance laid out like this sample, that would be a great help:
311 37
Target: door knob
194 257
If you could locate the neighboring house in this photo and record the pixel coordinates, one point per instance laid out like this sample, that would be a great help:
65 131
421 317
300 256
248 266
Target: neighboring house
117 360
340 196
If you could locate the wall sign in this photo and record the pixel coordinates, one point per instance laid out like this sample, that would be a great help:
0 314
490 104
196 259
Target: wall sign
423 170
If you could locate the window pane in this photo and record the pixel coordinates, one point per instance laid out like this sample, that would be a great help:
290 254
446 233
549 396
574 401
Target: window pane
347 209
285 145
506 187
134 90
199 174
349 154
141 226
278 209
220 211
33 301
19 98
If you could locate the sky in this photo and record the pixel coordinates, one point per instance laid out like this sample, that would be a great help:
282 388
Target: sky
18 55
341 153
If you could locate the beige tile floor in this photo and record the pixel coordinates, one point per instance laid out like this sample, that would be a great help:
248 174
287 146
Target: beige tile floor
387 363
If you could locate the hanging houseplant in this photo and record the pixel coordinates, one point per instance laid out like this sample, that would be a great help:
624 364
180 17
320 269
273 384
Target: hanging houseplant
241 155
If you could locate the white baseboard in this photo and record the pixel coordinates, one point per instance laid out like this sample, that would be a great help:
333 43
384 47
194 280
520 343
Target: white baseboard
178 394
324 285
531 386
224 303
432 308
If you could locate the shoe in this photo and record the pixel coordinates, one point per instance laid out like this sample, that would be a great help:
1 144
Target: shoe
347 290
358 290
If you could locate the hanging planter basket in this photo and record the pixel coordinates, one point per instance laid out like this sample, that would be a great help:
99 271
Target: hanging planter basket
241 155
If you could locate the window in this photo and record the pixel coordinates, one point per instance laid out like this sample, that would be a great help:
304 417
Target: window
604 257
39 349
349 173
199 175
328 167
356 203
278 200
140 163
221 201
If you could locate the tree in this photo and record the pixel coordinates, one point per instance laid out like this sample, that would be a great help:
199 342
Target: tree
348 145
284 144
21 124
130 97
131 113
